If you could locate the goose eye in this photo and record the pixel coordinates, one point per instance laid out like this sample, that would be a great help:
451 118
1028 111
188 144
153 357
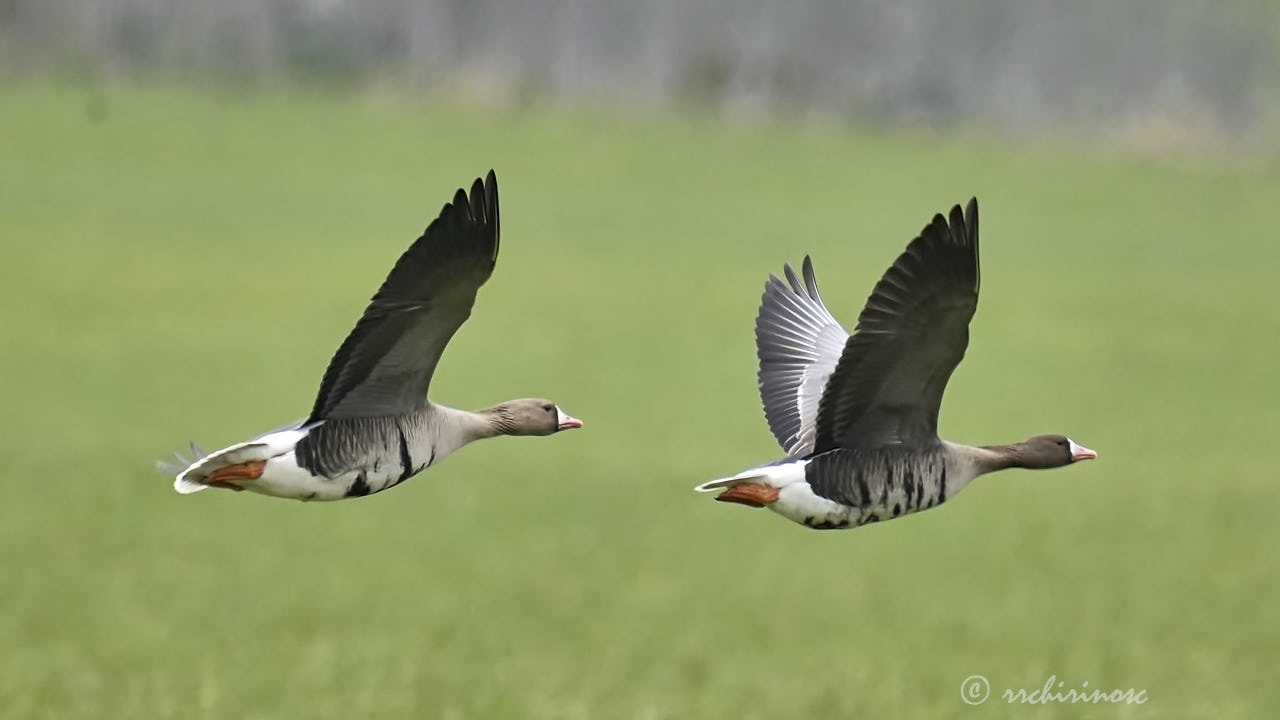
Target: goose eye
548 408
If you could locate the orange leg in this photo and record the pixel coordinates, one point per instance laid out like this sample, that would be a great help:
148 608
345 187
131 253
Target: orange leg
222 477
750 494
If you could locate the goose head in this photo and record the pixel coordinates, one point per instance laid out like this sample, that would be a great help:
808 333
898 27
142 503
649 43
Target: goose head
1050 451
532 416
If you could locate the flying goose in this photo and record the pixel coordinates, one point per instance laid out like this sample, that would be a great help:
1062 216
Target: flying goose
372 426
857 415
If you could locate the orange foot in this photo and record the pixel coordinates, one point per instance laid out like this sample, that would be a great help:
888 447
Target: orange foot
750 494
222 477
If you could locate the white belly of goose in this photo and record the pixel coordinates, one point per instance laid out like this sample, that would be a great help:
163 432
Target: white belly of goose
282 477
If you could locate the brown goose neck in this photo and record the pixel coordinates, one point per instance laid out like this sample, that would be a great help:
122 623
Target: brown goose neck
496 420
1001 457
468 425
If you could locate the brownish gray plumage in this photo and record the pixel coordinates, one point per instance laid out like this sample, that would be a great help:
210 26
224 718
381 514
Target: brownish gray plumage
858 414
372 425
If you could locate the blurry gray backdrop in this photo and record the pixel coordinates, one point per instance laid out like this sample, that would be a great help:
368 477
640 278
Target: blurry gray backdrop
1188 66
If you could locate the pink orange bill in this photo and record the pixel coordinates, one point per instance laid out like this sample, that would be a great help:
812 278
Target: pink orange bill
565 421
1080 452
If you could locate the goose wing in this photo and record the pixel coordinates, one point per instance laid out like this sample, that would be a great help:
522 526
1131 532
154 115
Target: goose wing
798 343
913 331
384 367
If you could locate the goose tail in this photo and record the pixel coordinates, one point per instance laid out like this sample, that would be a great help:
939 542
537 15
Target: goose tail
757 487
178 467
754 488
746 477
191 479
191 474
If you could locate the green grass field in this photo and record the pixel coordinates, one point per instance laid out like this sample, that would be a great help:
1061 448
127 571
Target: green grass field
180 265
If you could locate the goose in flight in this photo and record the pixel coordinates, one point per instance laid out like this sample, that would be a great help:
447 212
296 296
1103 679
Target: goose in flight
857 415
372 426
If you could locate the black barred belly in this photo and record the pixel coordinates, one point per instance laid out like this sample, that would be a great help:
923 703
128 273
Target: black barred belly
372 454
879 484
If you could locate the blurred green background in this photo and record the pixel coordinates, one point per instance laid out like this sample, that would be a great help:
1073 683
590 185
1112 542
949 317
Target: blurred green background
180 262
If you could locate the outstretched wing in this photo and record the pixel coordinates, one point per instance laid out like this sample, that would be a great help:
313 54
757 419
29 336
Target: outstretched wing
914 330
384 366
798 344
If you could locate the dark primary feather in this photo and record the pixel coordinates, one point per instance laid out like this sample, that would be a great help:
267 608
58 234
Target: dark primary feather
384 366
798 343
910 336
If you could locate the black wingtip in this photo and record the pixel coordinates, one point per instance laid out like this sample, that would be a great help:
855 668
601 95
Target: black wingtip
810 279
792 280
958 234
958 226
964 223
478 198
481 204
937 226
491 208
971 224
